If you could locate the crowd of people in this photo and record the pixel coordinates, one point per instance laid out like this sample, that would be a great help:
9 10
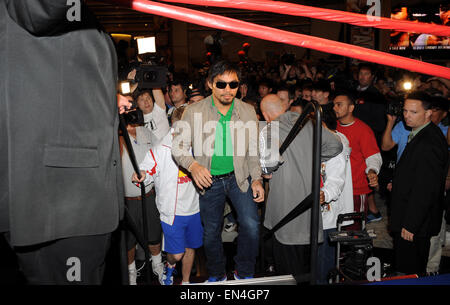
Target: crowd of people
67 175
360 149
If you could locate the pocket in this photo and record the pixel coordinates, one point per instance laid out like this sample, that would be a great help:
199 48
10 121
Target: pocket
79 157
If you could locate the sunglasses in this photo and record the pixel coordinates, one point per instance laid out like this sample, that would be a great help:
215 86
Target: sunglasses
222 85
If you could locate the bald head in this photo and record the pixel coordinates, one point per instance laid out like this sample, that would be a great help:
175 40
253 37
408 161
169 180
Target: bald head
272 107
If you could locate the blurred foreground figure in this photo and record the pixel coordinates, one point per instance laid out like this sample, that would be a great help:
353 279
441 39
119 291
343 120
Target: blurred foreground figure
61 184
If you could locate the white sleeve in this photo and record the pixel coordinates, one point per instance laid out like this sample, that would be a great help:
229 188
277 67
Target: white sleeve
335 170
149 165
374 162
157 122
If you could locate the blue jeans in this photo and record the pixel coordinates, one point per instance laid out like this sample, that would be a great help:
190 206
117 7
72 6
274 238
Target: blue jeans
326 257
212 205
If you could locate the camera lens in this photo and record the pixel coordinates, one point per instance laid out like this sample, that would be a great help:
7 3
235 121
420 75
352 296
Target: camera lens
149 76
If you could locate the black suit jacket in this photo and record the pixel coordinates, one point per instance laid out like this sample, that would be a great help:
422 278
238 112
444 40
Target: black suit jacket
60 173
419 184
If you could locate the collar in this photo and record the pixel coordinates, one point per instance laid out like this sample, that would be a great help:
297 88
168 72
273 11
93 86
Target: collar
418 129
235 110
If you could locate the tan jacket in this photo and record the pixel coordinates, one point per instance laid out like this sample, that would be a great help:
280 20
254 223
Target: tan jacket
197 129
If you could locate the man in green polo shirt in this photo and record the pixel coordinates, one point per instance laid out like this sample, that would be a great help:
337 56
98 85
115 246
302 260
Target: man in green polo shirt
222 159
223 164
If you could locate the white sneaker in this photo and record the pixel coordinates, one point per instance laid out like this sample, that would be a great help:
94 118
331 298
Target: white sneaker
158 270
230 227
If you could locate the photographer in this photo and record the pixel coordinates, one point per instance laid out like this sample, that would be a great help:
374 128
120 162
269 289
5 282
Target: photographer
150 104
143 139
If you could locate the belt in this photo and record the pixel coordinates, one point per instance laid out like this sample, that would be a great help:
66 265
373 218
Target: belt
151 192
224 176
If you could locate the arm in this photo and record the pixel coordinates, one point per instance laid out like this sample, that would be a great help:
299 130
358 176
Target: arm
307 71
335 178
253 161
373 163
432 169
159 98
331 145
253 146
181 145
387 142
157 122
372 156
286 71
148 168
182 141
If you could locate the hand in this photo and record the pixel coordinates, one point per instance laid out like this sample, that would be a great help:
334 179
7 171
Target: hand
373 178
287 67
389 186
269 176
123 103
258 191
391 118
202 177
132 74
135 178
406 235
322 197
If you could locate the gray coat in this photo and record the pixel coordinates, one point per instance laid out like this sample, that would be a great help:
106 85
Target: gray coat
60 173
292 182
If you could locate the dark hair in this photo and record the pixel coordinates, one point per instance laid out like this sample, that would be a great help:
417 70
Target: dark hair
329 116
367 66
322 85
138 93
177 82
265 82
222 66
439 102
348 94
290 90
421 96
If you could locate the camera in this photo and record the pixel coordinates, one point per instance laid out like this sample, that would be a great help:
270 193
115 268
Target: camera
135 117
395 107
149 76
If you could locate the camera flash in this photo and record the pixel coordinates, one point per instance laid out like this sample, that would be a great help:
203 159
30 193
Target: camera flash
125 87
407 85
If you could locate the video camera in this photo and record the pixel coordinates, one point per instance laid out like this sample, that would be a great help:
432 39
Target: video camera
134 115
395 107
148 74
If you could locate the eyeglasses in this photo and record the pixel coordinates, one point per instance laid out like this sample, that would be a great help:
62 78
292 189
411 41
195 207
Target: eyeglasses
222 85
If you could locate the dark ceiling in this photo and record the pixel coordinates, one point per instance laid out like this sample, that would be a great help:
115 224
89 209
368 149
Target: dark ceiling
119 19
116 19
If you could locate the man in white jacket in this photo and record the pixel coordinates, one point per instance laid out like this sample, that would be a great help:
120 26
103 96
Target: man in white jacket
178 204
336 195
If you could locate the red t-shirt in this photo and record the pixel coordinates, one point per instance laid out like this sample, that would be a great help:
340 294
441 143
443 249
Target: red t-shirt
363 144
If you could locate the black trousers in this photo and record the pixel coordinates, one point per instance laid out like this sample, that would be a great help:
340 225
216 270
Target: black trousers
411 257
68 261
291 259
